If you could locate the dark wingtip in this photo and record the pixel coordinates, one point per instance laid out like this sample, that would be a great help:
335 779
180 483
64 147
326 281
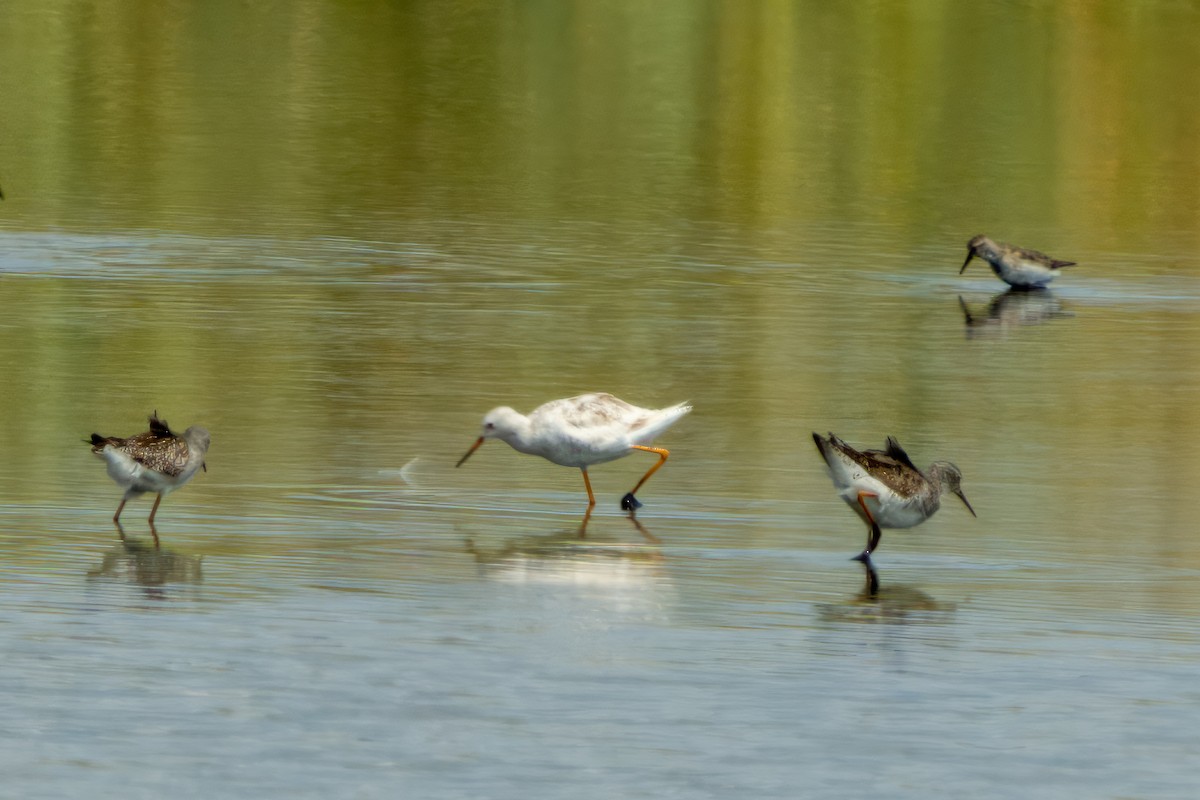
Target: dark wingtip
158 426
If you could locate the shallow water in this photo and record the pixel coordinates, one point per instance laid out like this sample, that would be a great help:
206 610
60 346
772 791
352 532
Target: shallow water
339 287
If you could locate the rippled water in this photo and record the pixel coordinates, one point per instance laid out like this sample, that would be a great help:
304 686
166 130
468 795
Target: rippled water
336 611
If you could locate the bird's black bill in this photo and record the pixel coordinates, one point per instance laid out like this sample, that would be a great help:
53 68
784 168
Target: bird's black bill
970 255
963 497
474 447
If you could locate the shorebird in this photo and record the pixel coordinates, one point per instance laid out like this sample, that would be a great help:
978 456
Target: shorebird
885 488
1016 266
155 461
582 431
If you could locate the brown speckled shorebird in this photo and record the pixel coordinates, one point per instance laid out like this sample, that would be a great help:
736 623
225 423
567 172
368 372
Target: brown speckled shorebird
155 461
885 488
581 431
1016 266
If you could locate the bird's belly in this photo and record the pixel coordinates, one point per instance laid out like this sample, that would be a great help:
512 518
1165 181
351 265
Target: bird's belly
897 515
888 511
1023 274
133 477
583 456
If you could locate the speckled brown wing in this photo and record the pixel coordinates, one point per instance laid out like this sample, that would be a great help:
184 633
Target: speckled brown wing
165 454
158 448
594 410
1039 257
893 468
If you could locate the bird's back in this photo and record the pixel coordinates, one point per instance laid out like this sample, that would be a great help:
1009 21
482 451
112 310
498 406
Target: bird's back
157 449
595 427
1037 257
892 467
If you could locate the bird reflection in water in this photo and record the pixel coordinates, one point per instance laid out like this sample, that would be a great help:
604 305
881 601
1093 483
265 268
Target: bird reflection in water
1011 309
139 562
574 556
894 604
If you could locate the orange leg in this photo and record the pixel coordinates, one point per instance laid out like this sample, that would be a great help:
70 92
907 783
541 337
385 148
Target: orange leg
662 459
120 508
876 534
588 485
629 502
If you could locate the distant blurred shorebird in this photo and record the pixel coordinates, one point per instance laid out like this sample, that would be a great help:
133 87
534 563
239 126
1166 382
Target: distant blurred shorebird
582 431
1016 266
155 461
885 488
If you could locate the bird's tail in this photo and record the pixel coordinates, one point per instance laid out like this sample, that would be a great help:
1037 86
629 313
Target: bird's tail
98 442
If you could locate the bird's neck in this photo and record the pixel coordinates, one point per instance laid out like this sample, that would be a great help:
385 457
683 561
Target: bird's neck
519 435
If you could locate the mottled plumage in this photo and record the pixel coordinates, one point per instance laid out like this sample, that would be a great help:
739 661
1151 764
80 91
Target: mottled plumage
582 431
1019 267
885 488
158 460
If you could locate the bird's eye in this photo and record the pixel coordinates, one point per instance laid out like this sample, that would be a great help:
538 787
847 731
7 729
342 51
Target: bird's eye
490 426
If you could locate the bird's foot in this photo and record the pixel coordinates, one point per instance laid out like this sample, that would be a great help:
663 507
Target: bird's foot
864 557
630 503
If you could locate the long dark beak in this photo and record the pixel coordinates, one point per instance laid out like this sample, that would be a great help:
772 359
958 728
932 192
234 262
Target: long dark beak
204 466
474 447
961 496
970 255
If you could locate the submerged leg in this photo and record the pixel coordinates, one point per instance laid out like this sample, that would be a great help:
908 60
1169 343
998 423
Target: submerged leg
588 485
871 582
631 503
650 537
153 511
120 508
587 515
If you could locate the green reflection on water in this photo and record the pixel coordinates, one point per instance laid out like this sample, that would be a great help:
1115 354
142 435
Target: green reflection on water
337 235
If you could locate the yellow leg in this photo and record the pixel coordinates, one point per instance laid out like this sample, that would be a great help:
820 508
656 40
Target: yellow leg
662 459
588 485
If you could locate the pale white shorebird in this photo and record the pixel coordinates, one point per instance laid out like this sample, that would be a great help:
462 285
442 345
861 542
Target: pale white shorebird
156 461
1017 266
582 431
885 488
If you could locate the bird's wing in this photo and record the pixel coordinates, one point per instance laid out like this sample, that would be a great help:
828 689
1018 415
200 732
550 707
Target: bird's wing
894 450
591 411
159 427
892 467
1041 258
165 454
